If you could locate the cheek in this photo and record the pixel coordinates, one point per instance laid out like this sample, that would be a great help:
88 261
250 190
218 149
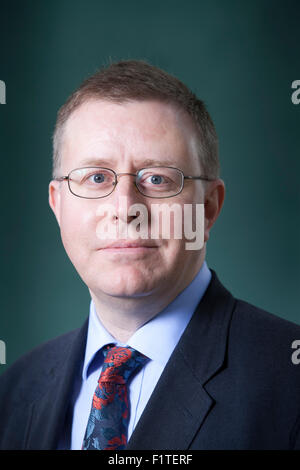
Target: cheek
181 223
78 226
173 254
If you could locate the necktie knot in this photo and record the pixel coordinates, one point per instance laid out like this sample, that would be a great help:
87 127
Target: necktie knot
120 363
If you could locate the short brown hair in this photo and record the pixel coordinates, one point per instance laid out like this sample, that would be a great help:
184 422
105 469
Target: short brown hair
136 80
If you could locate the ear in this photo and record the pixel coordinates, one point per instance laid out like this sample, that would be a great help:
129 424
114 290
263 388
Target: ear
214 198
54 198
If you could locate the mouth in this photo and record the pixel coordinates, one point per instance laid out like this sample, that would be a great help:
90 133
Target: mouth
129 247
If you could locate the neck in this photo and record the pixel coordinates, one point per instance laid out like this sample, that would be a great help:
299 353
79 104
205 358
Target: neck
123 316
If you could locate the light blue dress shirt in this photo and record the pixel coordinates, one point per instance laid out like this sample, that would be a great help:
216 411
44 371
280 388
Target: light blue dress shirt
156 340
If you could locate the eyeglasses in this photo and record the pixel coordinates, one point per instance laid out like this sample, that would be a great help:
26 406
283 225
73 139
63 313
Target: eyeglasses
155 182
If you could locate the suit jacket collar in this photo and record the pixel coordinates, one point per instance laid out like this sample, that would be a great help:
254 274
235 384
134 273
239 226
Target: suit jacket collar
179 403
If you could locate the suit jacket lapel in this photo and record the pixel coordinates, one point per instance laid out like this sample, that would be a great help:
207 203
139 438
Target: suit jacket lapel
49 412
180 403
175 410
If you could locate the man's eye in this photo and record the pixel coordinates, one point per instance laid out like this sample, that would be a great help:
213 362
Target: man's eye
97 178
155 179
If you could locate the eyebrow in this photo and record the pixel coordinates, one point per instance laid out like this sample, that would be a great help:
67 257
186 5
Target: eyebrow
107 163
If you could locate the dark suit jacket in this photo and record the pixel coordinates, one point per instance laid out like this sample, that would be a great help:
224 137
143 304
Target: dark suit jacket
229 384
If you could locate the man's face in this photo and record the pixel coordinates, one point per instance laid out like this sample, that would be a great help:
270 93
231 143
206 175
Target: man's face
124 137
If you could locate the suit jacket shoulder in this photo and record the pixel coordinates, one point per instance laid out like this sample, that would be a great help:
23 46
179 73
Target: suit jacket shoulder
260 346
26 370
48 368
272 335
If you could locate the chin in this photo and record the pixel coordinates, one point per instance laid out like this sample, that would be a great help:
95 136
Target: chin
125 283
124 292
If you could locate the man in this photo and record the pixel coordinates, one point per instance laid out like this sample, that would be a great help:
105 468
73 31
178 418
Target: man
167 359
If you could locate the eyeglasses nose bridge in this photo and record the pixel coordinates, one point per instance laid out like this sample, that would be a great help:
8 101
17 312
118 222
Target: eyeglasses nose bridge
121 174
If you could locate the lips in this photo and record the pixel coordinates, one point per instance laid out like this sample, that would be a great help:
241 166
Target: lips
126 244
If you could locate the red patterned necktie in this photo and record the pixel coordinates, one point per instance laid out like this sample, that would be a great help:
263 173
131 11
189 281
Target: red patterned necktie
108 421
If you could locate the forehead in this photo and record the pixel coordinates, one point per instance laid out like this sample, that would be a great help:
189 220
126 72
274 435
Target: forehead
129 132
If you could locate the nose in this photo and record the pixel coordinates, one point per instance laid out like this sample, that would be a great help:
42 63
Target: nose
125 195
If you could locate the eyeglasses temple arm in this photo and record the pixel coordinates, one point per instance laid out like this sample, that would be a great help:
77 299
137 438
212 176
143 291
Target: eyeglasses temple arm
205 178
61 178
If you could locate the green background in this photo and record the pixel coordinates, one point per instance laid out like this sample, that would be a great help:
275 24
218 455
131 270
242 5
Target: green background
240 57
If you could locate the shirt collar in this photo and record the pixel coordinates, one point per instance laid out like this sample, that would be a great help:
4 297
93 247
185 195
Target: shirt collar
158 337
